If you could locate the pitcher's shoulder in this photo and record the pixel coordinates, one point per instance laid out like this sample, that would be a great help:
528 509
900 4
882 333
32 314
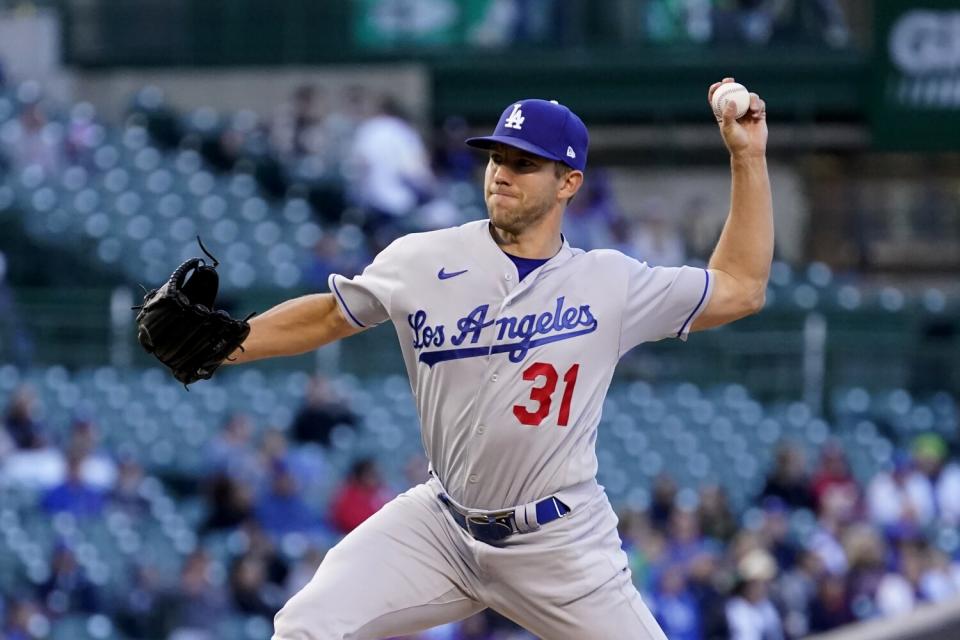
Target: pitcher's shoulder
609 259
430 241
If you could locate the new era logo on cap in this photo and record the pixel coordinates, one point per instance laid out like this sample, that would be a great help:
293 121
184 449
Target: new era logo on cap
542 127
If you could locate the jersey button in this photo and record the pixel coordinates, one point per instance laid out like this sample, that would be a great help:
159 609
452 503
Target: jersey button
481 430
474 478
508 276
494 377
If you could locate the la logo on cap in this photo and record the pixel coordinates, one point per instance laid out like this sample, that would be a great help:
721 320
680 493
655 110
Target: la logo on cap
515 121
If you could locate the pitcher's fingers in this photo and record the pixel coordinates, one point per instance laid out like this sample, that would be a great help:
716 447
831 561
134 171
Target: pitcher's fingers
729 115
711 90
758 109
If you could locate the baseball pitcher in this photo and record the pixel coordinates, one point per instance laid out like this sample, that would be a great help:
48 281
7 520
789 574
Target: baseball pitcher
510 337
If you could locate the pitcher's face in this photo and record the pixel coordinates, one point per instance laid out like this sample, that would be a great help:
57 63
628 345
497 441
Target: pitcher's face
520 188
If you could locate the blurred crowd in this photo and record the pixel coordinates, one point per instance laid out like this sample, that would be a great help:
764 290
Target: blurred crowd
368 170
863 550
371 174
816 549
255 491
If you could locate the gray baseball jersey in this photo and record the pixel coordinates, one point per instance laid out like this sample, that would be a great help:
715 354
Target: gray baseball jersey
509 377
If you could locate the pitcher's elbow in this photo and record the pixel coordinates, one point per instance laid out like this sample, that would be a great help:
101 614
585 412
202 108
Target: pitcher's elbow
756 300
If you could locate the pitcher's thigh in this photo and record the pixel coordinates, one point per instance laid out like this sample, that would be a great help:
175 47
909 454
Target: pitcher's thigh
397 573
615 611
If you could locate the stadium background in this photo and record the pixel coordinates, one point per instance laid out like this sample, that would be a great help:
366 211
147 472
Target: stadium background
804 461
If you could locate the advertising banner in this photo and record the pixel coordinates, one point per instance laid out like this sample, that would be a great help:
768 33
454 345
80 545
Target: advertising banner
915 102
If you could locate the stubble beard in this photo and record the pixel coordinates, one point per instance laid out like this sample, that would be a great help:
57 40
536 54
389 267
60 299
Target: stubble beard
515 222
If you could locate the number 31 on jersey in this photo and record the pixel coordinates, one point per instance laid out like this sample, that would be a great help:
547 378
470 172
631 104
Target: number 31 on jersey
543 395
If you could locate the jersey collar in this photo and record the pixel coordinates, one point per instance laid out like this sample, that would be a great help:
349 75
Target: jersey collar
491 249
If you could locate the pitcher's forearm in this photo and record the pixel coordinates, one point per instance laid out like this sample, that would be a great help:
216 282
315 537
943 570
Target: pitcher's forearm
293 327
745 248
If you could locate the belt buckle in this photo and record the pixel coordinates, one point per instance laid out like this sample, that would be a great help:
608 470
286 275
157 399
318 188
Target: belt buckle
492 527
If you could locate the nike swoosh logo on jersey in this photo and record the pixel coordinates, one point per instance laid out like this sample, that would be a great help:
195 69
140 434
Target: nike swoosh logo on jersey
446 276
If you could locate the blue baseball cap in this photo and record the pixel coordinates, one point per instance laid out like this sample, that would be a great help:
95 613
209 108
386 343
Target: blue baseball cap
542 127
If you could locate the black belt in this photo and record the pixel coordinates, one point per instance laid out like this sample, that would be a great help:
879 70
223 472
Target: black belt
496 526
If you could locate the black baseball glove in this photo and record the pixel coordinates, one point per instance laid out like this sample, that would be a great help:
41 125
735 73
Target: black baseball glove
178 324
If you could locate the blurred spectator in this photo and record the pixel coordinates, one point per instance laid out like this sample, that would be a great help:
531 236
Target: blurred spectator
127 491
750 613
830 608
644 546
24 620
68 589
902 497
360 496
664 495
231 451
899 590
34 142
775 532
83 134
866 555
833 481
795 591
260 545
21 422
251 592
824 540
322 410
675 606
139 613
194 607
229 503
716 518
389 168
74 495
282 509
97 468
930 454
788 478
941 579
684 540
706 581
297 129
34 468
307 464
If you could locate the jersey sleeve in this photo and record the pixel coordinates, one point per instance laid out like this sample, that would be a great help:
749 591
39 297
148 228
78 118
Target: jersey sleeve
661 302
365 299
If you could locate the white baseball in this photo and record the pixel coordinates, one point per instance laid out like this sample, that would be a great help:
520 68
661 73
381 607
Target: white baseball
727 92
